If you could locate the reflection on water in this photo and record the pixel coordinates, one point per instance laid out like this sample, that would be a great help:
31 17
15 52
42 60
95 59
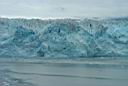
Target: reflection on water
67 72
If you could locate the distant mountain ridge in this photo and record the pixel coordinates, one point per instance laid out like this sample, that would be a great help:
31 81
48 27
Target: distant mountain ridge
64 37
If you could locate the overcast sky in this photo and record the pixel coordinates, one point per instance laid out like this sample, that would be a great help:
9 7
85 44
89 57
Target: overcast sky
63 8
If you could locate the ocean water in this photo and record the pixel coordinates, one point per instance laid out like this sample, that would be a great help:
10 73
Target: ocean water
64 72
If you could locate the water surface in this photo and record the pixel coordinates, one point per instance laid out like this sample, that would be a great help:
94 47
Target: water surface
64 72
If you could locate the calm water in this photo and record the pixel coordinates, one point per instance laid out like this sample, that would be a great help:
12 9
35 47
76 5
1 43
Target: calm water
64 72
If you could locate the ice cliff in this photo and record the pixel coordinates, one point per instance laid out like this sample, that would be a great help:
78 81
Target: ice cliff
64 37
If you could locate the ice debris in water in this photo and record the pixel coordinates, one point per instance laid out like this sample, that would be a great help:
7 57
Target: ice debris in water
6 80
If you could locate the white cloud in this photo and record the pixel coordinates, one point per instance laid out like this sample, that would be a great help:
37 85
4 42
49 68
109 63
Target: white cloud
63 8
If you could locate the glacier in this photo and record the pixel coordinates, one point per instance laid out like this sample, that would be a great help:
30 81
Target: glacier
70 38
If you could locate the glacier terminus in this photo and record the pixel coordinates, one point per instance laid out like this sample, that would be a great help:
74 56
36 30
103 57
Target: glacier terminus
70 38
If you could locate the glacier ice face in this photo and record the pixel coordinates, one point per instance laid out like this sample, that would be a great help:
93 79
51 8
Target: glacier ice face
64 37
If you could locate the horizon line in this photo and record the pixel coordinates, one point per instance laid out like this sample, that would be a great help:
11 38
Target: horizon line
52 18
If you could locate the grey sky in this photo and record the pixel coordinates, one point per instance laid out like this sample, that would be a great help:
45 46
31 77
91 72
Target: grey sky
63 8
